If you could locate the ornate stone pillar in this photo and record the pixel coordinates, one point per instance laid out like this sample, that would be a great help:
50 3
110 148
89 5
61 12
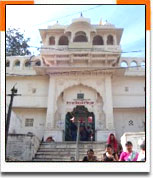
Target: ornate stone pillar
108 104
105 39
50 130
51 104
102 134
115 39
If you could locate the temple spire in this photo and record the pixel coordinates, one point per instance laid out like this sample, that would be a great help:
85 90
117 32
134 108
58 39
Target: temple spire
81 15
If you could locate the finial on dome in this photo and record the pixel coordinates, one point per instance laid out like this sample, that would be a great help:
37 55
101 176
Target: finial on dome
81 15
57 21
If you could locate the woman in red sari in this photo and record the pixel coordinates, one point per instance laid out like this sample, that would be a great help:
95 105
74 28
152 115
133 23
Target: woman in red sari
113 142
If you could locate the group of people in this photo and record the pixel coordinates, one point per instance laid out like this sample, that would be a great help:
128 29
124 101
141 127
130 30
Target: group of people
86 134
114 152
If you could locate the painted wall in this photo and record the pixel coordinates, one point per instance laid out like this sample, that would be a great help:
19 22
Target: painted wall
22 147
29 104
33 90
39 116
122 118
128 92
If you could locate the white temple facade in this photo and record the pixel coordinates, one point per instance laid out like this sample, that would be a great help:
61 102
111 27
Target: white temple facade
79 73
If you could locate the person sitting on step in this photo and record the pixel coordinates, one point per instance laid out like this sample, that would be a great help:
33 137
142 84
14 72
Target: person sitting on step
109 156
129 154
50 139
90 156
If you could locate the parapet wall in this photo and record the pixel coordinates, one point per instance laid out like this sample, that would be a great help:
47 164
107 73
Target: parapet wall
22 147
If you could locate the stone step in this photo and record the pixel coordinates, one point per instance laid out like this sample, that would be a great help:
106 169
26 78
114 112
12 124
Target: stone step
62 155
65 149
72 146
72 142
59 151
65 152
49 159
62 159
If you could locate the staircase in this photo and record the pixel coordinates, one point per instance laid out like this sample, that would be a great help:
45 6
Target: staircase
63 151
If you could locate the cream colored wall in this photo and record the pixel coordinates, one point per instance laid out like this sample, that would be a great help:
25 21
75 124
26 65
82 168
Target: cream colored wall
39 116
135 97
122 118
25 86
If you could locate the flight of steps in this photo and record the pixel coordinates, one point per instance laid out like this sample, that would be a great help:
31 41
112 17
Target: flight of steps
63 151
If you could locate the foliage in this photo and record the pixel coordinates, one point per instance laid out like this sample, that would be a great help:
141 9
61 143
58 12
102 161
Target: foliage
16 44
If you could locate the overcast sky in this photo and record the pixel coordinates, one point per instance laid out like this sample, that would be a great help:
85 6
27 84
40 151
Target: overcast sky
30 18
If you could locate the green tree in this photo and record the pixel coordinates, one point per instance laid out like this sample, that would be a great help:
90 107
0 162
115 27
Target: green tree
16 44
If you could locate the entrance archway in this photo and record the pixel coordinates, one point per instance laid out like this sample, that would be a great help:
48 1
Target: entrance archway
87 124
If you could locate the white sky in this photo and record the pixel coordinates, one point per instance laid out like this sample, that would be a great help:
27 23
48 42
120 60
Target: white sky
30 18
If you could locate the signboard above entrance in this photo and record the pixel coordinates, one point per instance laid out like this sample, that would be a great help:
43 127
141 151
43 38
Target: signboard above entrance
80 102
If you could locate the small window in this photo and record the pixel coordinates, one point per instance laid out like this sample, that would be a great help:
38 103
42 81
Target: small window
131 123
51 40
98 40
126 89
110 40
124 64
27 64
80 96
63 40
80 37
17 63
8 64
38 63
29 122
133 64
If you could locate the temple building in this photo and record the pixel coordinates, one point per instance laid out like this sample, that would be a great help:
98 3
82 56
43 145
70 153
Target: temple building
81 76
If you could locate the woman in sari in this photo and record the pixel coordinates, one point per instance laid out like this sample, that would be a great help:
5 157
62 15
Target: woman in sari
129 155
113 142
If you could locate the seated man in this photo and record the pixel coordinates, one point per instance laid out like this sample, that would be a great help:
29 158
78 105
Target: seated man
90 156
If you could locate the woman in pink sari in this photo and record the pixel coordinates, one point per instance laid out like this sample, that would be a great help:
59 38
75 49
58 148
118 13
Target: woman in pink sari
113 142
129 155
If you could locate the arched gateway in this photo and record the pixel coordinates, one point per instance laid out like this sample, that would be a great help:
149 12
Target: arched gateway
84 103
87 124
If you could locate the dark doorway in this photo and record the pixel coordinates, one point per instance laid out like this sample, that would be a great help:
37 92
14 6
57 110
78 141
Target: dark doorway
87 124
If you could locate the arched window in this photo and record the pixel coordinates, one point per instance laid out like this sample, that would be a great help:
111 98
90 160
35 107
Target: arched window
7 63
27 64
38 63
143 64
80 37
17 63
133 64
52 40
124 64
98 40
110 40
63 40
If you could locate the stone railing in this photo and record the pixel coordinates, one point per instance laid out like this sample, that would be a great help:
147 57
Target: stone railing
21 147
132 63
20 63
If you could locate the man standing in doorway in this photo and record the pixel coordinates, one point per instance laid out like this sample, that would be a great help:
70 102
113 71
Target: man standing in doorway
73 129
